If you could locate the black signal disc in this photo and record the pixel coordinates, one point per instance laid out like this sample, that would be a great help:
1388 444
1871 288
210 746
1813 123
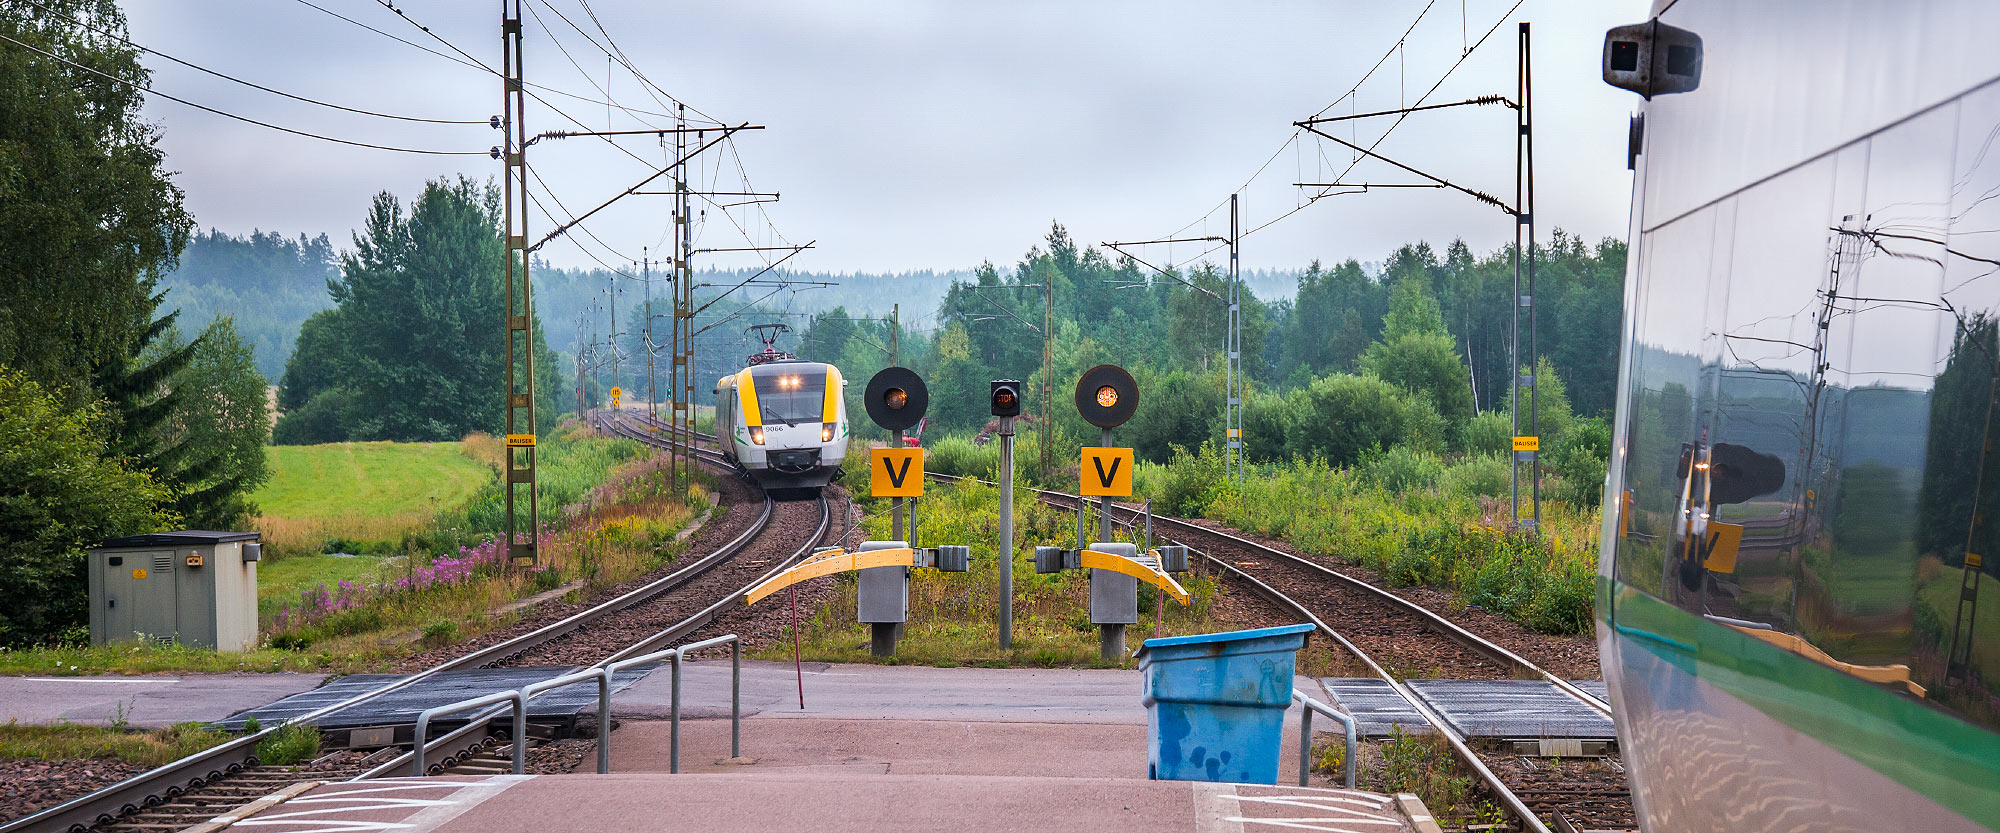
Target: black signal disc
882 394
1122 396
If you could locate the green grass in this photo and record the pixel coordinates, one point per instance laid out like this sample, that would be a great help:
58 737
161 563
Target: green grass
366 497
289 745
135 658
379 478
69 741
953 616
279 582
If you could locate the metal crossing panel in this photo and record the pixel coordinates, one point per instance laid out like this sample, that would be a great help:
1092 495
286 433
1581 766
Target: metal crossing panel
1512 709
402 706
1375 706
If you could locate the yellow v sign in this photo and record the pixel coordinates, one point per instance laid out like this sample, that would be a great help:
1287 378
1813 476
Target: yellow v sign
1107 472
896 472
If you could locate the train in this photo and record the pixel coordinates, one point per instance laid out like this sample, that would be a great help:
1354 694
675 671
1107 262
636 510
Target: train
783 421
1798 609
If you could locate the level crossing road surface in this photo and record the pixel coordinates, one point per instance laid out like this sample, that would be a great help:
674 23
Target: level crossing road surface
825 803
148 701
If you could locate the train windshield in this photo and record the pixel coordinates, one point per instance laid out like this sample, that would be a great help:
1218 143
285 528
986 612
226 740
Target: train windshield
791 398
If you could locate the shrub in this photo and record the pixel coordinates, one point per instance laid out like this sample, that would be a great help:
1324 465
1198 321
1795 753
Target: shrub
1483 475
1340 417
1402 469
437 634
1581 460
1192 482
289 745
956 455
1490 433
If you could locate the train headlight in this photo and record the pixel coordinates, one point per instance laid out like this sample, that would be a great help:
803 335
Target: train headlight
757 436
826 433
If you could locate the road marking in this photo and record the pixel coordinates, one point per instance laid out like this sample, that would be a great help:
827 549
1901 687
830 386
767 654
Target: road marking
85 680
1212 810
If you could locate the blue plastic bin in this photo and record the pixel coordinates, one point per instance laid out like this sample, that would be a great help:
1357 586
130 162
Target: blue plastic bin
1215 703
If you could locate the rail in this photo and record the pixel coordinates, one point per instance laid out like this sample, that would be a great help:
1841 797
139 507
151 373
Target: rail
1529 821
1306 735
519 699
208 765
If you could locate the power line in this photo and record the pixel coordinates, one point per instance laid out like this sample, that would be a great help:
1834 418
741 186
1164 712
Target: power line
629 67
245 119
227 77
473 64
1328 191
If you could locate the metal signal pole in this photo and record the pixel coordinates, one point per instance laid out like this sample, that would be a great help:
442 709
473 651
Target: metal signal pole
1232 334
1524 366
1232 455
520 468
683 416
646 277
1526 451
1046 437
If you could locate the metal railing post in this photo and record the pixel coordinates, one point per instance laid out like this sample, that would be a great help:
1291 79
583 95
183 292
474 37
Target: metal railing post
1305 736
604 723
674 717
736 697
520 725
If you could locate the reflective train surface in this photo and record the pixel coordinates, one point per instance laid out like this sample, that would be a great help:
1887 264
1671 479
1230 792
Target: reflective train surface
784 422
1799 588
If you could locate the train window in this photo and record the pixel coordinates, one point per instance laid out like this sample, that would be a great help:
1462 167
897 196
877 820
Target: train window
791 397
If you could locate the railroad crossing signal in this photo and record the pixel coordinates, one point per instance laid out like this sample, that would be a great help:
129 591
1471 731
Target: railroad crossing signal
1106 396
1107 472
896 472
1006 398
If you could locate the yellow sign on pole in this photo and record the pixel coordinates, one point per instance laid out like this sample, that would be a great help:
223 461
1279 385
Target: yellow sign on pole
896 472
520 441
1527 443
1107 472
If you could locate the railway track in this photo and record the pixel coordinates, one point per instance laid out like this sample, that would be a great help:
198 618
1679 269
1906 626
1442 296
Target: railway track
1396 639
210 783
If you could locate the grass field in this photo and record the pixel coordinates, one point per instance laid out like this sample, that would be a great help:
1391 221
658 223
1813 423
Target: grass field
353 495
952 616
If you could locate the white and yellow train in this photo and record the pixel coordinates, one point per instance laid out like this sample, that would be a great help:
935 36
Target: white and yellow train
784 422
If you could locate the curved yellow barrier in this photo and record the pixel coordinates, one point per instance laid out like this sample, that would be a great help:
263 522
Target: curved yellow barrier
1149 573
828 562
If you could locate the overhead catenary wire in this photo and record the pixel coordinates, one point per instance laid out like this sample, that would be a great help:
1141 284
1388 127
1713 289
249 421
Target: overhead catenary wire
1327 192
470 64
245 119
252 84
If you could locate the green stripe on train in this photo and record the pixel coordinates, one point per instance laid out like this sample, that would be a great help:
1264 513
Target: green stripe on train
1947 760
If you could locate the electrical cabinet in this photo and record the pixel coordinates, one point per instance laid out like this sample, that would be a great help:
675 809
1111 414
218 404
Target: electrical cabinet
195 587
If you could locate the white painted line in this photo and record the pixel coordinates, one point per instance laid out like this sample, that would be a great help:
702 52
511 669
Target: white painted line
1212 808
90 680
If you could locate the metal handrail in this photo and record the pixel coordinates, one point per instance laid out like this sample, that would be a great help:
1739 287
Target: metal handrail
1306 734
494 699
603 678
674 656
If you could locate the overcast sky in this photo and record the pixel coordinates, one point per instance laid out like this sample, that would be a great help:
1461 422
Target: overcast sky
912 135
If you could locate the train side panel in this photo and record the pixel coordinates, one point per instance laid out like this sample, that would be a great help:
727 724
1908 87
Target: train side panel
1800 513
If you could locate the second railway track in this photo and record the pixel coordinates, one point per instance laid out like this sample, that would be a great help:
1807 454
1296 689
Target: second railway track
1395 639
